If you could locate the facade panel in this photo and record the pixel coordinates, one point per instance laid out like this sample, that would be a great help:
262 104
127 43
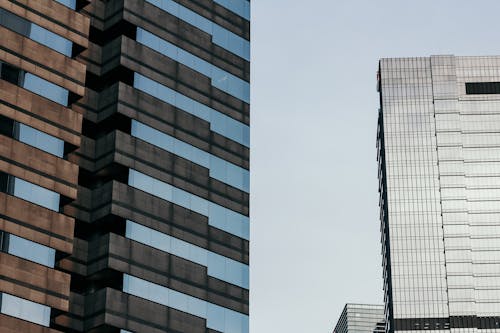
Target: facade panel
438 172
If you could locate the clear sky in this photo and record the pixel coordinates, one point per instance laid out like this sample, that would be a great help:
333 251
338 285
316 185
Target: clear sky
314 204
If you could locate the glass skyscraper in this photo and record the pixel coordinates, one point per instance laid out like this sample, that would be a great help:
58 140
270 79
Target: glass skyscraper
439 169
124 166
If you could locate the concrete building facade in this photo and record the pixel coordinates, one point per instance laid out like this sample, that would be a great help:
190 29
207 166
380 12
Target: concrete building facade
439 171
39 83
148 215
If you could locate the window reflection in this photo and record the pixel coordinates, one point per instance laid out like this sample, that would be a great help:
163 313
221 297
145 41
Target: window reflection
240 7
35 32
220 36
218 266
41 140
24 309
218 168
220 79
36 194
218 216
219 122
218 318
29 250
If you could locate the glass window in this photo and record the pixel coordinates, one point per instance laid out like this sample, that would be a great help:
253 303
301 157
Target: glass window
68 3
218 216
218 318
220 36
35 32
219 169
41 140
219 122
31 251
220 79
26 310
36 194
46 89
218 266
240 7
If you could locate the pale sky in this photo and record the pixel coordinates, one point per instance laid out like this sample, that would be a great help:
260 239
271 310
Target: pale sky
314 204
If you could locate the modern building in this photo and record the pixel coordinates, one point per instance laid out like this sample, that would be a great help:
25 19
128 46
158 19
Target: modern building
125 166
40 80
439 171
361 318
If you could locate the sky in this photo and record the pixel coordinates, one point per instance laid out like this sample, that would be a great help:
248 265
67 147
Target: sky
315 240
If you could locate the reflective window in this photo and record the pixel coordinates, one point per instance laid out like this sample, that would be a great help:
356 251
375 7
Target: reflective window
219 122
68 3
218 318
240 7
220 36
41 140
45 88
218 266
26 310
218 168
35 32
220 79
218 216
31 251
36 194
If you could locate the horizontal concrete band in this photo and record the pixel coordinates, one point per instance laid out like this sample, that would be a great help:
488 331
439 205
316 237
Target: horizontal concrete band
52 16
34 282
129 203
115 308
130 54
122 99
118 147
40 113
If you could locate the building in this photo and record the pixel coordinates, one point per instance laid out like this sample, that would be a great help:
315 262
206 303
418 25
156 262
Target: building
147 226
40 79
439 171
361 318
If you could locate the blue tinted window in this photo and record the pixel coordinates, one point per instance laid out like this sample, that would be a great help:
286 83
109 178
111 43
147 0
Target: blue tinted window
50 39
41 140
220 36
218 318
218 216
36 194
26 310
219 267
31 251
240 7
219 122
218 168
46 89
220 79
35 32
68 3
